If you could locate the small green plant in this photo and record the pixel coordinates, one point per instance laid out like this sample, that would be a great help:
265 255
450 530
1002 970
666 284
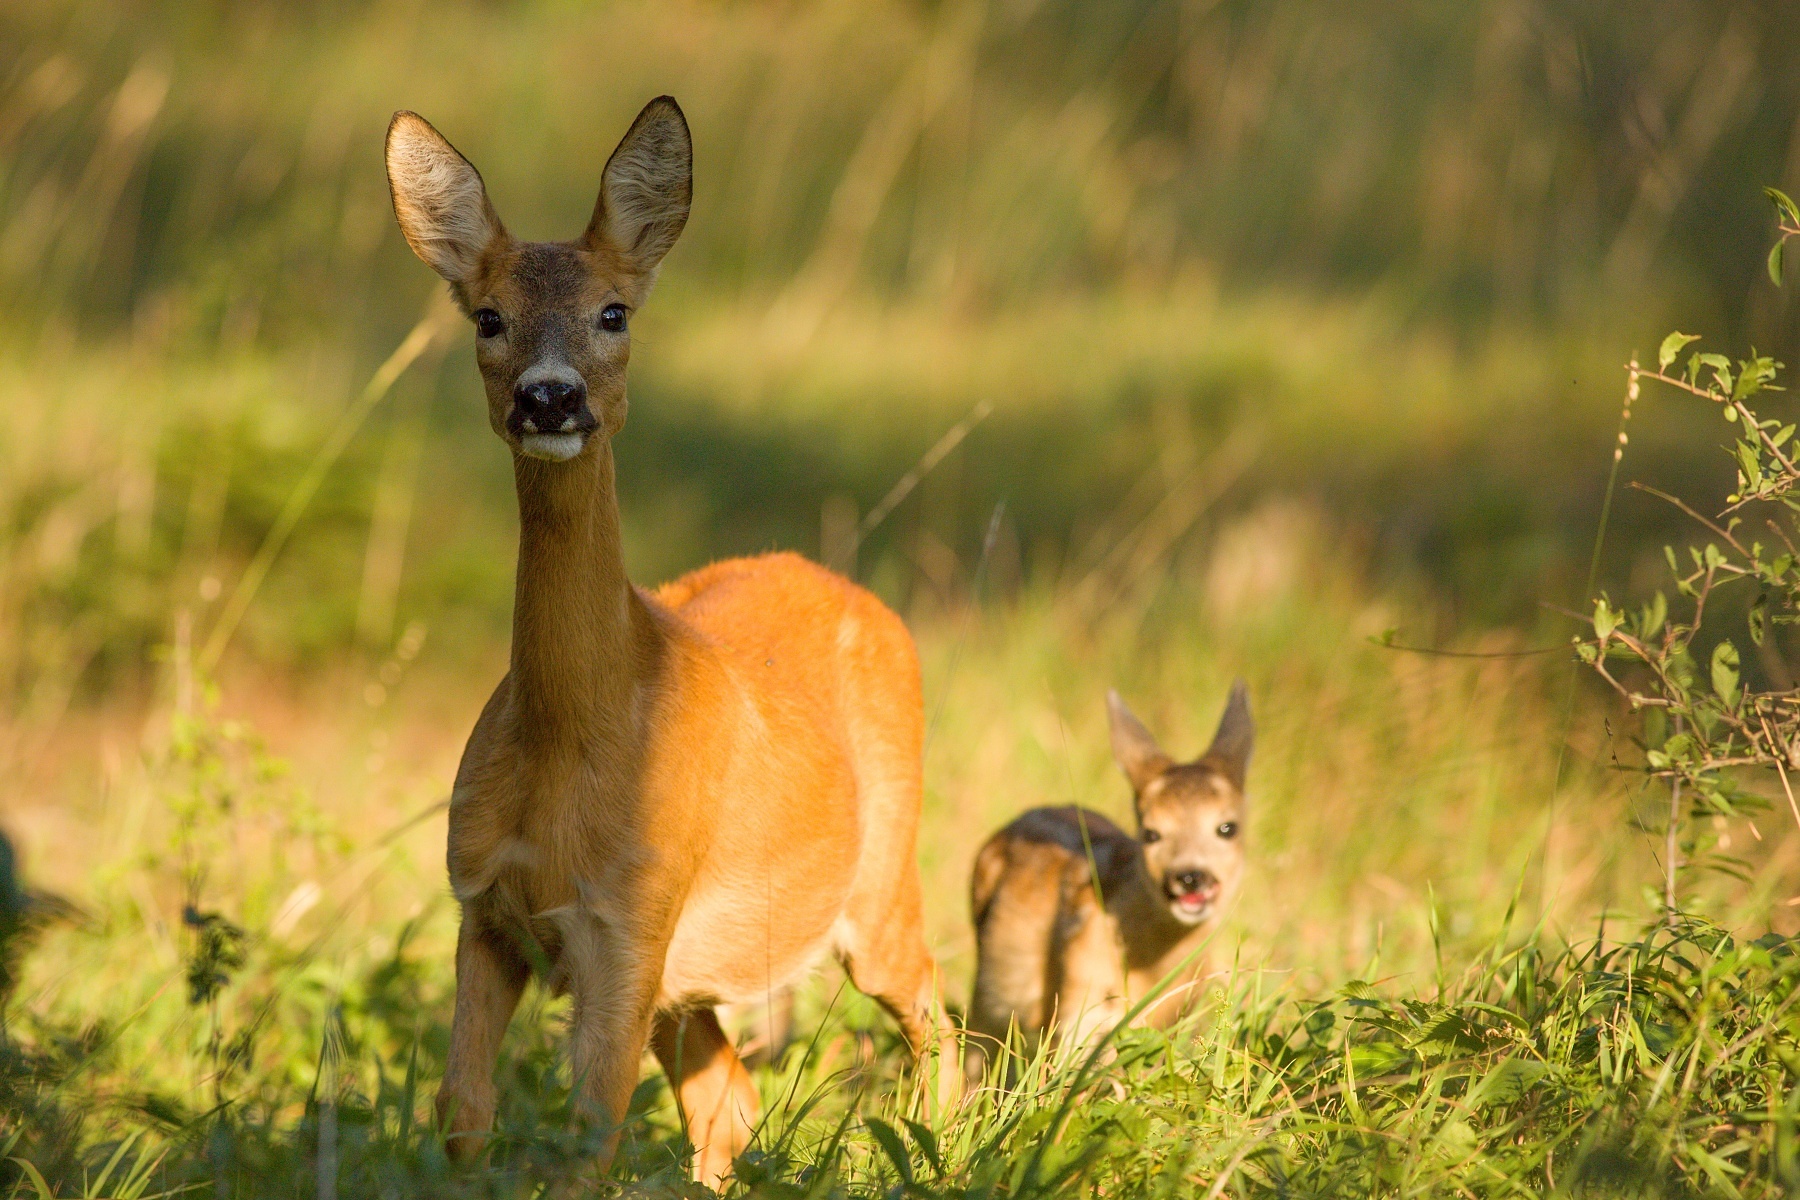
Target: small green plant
1705 723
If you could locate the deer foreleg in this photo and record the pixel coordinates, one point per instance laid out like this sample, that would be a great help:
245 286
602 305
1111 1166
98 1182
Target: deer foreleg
490 977
613 976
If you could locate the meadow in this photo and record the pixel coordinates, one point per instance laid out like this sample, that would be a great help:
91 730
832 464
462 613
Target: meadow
1215 340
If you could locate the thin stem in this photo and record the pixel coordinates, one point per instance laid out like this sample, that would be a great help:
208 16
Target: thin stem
1682 505
1672 846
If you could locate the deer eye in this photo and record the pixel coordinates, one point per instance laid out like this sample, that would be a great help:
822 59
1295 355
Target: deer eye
1151 835
488 323
1228 830
612 318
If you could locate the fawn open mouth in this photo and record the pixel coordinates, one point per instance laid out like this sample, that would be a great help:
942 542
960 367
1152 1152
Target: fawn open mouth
1191 906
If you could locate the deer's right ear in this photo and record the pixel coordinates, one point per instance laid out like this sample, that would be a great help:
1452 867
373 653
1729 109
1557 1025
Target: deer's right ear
1135 750
439 199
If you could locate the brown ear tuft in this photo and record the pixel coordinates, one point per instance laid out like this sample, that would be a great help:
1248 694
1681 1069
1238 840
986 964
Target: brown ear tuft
647 187
1133 748
439 199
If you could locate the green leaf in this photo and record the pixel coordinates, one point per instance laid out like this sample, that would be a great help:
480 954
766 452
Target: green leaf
893 1147
1605 619
1725 673
1506 1083
1671 346
1753 375
1775 257
1759 617
1721 369
1751 465
1786 206
44 1190
927 1143
1655 613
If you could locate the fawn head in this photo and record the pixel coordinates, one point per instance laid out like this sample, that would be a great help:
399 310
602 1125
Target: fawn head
551 318
1190 815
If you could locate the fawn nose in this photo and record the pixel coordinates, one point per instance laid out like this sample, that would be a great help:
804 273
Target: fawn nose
550 405
1188 883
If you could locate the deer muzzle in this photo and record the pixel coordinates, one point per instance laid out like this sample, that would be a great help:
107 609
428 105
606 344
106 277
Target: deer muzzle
550 416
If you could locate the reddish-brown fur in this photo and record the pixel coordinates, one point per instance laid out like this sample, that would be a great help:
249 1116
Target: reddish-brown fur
1077 921
675 798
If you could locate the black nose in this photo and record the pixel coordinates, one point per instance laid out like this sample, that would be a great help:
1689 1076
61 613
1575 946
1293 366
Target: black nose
1189 882
548 402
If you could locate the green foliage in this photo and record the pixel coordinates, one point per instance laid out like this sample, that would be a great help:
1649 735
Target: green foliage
1702 734
1666 1065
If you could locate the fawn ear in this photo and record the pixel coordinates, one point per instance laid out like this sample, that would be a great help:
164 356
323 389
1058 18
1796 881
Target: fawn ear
439 199
1231 745
646 187
1133 748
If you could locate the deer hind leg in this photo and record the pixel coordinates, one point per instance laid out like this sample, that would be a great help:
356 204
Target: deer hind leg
1015 959
718 1101
883 951
768 1026
490 978
1091 996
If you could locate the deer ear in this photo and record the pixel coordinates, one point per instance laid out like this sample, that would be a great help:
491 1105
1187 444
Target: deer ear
646 187
439 199
1133 748
1231 745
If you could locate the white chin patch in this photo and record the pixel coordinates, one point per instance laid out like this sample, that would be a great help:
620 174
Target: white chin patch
555 447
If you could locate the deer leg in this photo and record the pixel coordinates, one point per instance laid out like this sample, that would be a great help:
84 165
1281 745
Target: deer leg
612 979
886 958
490 978
718 1101
1091 996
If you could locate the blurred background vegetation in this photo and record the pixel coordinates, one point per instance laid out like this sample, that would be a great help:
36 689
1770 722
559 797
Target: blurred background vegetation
1399 250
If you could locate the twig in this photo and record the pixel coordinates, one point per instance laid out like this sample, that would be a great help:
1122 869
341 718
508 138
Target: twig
926 464
1682 505
1778 754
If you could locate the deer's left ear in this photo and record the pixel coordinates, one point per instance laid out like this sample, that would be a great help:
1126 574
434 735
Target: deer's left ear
1231 745
647 187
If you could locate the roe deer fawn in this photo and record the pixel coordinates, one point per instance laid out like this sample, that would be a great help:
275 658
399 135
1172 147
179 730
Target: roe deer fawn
1076 920
674 798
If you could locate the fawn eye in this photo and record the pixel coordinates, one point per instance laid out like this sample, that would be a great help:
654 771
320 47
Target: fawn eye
488 323
612 318
1228 830
1151 835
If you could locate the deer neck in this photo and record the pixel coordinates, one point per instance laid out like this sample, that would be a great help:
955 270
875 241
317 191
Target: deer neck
576 620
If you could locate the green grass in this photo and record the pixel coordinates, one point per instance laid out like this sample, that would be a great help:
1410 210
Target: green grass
1410 999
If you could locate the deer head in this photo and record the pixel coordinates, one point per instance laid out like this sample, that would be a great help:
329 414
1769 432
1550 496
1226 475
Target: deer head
1190 815
552 319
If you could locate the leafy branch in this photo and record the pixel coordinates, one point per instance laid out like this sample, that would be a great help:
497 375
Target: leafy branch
1703 730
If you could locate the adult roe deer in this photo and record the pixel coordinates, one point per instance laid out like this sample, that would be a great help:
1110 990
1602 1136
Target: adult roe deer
674 798
1076 921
